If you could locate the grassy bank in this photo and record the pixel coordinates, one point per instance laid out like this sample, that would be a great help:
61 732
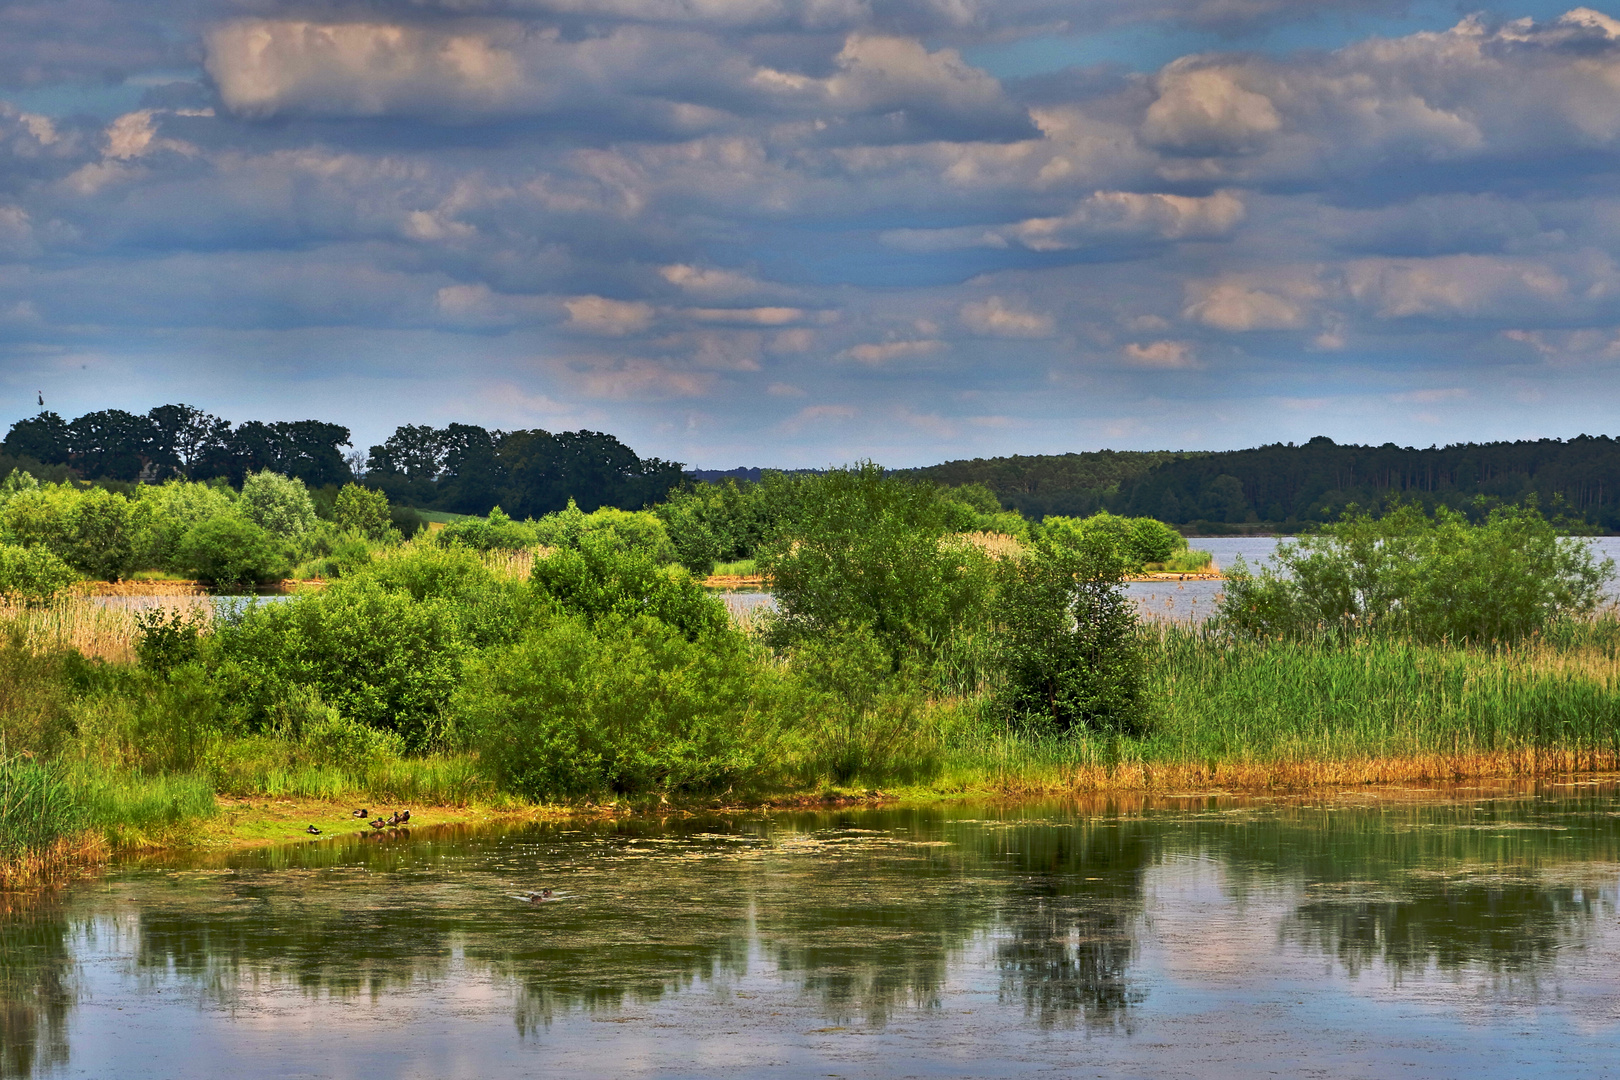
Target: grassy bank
1227 715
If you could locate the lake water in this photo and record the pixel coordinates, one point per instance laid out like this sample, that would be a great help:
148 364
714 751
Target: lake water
1383 934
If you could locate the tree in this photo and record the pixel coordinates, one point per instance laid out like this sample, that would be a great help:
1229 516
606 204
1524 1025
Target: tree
278 504
229 551
363 511
186 437
862 548
46 438
1066 634
112 444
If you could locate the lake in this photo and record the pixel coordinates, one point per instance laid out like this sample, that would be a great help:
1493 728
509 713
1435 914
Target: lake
1386 933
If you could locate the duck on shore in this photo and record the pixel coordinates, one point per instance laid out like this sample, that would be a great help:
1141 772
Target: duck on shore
361 813
313 831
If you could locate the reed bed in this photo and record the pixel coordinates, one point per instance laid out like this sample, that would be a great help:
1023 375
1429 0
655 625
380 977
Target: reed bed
95 627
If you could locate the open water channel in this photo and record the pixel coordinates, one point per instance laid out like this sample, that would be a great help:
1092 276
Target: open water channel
1469 933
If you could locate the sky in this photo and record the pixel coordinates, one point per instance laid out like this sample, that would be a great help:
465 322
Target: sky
767 232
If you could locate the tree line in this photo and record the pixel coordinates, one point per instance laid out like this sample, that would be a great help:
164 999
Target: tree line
1286 485
461 468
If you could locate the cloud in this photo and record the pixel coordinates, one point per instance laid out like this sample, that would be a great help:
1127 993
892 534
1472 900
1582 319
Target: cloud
599 315
884 352
995 318
1161 354
1232 305
1103 217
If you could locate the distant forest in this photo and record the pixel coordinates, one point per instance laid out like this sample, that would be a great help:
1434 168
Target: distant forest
468 469
461 468
1286 486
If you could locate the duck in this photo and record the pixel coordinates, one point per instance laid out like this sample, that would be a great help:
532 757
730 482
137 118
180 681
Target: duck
313 831
394 818
379 824
361 813
404 817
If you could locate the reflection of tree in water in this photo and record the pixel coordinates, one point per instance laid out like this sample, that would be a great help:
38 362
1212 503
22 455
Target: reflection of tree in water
1443 884
37 984
1071 921
1506 926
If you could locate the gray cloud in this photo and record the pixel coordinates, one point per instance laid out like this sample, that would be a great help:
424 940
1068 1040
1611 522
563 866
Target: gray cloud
796 232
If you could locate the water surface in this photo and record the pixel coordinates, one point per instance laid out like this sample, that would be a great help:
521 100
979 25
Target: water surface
1384 935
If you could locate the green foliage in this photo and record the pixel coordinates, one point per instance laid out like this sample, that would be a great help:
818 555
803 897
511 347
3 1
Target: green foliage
168 638
363 512
279 505
166 512
37 806
326 736
489 610
1153 541
629 530
728 521
33 575
231 552
380 656
1067 634
1436 578
494 533
861 717
868 550
91 530
624 705
36 696
16 482
601 579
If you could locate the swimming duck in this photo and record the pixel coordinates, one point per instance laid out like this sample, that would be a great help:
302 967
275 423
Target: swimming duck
313 831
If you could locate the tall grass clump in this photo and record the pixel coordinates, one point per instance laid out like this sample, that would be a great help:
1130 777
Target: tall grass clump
38 811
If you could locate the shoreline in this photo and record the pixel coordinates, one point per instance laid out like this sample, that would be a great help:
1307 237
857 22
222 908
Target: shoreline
243 824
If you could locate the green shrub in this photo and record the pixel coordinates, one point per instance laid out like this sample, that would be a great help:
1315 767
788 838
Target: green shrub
494 533
865 549
380 657
93 531
37 806
861 717
36 695
363 512
175 720
627 706
33 575
601 578
166 512
1068 645
231 551
629 530
1152 541
168 638
490 609
279 505
1438 578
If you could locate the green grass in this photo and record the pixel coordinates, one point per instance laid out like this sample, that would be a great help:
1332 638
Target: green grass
740 568
1184 562
443 517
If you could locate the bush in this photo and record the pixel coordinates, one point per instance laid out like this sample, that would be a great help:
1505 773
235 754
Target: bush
494 533
490 609
36 696
363 512
91 530
1152 541
602 579
33 575
279 505
1437 578
37 807
869 550
166 512
168 638
380 657
628 706
231 551
1067 635
862 717
629 530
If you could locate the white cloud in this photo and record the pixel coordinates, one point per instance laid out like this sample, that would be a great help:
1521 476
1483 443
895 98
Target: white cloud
883 352
599 315
1233 305
1161 354
994 317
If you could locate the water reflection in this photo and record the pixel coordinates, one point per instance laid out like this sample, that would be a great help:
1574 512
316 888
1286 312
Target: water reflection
1042 919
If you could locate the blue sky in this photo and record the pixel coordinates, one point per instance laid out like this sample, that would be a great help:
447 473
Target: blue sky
793 233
